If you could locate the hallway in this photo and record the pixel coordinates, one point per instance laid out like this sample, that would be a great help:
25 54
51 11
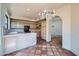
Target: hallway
44 49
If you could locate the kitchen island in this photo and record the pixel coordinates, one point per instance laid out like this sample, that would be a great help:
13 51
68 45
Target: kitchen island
18 41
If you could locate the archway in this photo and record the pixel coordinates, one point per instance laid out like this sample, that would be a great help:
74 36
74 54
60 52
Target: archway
56 29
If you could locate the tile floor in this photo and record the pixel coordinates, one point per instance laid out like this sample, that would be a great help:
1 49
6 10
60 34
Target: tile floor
42 48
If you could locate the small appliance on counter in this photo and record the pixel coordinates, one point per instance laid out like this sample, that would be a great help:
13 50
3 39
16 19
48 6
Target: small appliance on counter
26 29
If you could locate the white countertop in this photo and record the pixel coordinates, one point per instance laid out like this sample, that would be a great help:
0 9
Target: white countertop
15 34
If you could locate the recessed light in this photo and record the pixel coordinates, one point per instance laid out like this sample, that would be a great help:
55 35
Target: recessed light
39 13
37 19
54 11
28 9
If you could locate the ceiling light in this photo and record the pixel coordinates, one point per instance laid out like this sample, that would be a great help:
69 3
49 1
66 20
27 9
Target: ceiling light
28 9
39 13
54 11
37 19
43 14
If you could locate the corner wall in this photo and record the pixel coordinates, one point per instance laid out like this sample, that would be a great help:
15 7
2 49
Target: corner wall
75 28
2 24
48 28
65 14
0 34
70 17
2 17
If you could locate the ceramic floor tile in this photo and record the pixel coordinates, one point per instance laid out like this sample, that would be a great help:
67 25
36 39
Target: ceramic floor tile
53 48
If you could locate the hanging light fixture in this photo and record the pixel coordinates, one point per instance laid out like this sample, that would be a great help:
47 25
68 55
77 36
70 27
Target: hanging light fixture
45 12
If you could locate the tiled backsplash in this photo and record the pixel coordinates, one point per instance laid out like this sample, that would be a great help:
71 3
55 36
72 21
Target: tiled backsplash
19 30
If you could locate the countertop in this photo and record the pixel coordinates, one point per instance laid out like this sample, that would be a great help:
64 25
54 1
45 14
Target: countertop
15 34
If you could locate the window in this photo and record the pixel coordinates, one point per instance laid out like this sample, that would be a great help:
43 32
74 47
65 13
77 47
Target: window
6 21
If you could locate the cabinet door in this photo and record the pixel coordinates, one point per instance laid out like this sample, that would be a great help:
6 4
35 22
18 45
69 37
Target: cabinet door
10 44
20 42
25 40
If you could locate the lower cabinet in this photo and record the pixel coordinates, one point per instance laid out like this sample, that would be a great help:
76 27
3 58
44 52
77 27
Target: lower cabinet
19 41
10 44
25 40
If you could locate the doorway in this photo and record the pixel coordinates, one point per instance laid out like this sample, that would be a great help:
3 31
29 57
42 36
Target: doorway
56 29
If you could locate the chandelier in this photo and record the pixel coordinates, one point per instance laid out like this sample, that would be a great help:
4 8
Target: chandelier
42 15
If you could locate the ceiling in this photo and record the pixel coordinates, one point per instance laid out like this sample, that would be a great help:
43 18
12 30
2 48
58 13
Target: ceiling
31 10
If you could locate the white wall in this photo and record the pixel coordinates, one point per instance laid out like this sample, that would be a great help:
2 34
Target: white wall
56 27
2 17
3 9
48 27
75 28
43 29
70 17
0 34
65 14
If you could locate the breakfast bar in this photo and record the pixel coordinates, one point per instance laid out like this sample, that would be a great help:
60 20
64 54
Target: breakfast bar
18 41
